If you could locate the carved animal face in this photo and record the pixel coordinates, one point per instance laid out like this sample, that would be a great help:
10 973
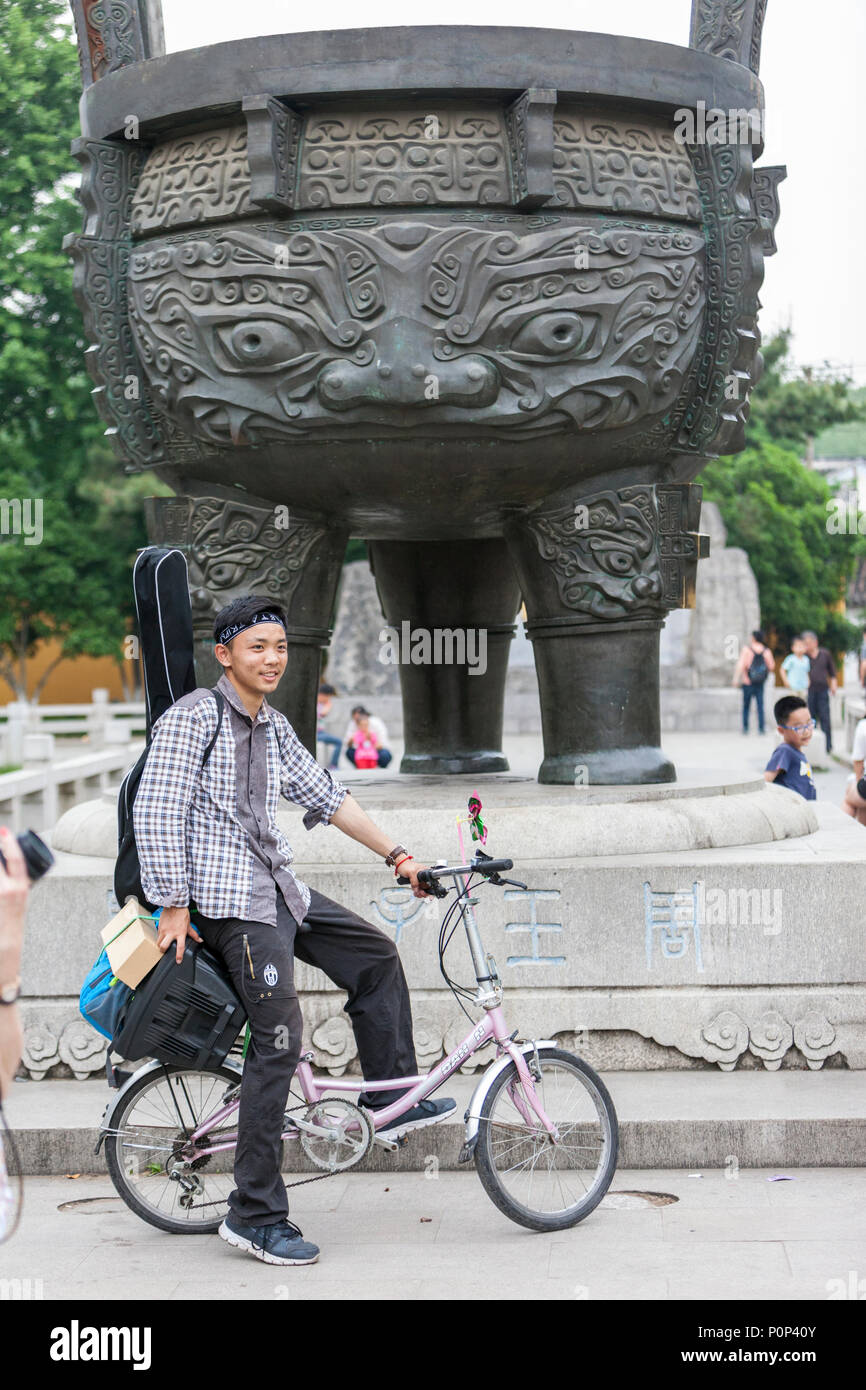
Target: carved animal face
417 326
231 546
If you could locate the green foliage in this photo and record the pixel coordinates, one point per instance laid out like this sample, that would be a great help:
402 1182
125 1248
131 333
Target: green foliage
775 508
44 391
75 585
789 408
845 441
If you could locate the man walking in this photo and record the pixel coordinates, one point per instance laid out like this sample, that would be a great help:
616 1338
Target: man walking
213 858
822 680
754 665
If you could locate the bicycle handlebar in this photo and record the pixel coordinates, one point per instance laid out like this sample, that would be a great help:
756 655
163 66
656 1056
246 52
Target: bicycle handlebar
481 866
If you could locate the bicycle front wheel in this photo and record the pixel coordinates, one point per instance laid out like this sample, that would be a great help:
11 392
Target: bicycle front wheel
543 1184
149 1156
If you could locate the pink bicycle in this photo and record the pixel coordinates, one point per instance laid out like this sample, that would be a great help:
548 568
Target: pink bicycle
540 1126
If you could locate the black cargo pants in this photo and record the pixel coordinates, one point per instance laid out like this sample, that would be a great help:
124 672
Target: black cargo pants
260 959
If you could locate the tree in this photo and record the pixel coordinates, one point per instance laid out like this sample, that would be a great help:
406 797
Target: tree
44 389
789 408
74 583
776 508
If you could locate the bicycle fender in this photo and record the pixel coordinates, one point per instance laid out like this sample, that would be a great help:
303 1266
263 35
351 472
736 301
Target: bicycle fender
472 1116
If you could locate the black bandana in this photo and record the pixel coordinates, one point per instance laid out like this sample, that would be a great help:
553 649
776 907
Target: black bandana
233 629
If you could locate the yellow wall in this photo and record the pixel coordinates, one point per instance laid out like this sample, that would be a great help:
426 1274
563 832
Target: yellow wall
72 681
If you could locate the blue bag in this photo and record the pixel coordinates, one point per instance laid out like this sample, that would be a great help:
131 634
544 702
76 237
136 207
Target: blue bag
103 997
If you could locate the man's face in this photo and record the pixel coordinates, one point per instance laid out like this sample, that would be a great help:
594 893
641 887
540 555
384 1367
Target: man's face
256 658
799 728
812 646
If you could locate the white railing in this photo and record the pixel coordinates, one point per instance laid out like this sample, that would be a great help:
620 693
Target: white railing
36 797
102 723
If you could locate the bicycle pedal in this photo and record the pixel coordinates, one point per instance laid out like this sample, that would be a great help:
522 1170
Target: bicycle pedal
392 1145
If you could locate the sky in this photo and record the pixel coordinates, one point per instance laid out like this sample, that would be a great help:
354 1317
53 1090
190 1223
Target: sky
816 283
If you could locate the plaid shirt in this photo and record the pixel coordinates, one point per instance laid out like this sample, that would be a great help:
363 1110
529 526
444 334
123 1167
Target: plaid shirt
191 842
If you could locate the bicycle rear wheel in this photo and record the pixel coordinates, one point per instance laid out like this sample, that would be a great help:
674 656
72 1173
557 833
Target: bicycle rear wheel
145 1148
542 1185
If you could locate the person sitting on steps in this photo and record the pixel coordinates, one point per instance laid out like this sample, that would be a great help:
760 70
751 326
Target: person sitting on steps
367 731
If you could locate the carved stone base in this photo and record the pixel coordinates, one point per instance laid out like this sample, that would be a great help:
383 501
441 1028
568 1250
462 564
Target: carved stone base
768 1030
598 573
450 609
234 547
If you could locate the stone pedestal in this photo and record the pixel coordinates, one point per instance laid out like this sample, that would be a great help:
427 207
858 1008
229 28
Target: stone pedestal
674 926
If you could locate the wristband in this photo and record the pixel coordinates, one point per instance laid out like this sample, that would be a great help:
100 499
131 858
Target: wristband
397 850
399 862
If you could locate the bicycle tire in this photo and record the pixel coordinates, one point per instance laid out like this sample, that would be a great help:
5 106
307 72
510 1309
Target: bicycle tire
113 1150
485 1157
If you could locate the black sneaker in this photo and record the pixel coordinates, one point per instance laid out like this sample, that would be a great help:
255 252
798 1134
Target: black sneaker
426 1112
279 1244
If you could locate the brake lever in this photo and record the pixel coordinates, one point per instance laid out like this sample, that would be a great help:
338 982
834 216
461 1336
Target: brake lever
434 890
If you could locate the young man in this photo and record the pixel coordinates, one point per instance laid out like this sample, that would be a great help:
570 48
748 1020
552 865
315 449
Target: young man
788 765
212 856
822 680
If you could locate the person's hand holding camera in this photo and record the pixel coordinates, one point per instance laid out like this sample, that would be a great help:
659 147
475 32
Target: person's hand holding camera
14 889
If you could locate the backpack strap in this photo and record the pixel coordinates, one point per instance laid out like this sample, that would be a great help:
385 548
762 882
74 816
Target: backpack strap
220 699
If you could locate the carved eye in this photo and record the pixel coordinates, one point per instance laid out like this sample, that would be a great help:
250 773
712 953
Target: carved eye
261 343
223 574
552 334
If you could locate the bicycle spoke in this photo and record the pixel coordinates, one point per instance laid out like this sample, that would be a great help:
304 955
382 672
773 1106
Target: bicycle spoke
549 1178
153 1131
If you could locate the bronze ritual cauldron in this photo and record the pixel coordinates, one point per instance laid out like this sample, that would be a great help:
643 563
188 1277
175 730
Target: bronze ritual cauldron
475 295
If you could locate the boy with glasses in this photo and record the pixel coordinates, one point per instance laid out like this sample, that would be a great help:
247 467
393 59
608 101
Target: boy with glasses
788 765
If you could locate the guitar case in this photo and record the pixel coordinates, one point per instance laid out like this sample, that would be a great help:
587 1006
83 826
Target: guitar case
160 582
161 586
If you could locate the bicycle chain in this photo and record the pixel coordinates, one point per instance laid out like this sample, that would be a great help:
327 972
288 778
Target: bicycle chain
319 1176
300 1183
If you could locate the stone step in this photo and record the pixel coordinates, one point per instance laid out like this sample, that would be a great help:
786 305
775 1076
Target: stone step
687 1120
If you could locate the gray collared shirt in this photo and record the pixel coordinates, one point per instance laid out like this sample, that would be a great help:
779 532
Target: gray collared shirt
208 834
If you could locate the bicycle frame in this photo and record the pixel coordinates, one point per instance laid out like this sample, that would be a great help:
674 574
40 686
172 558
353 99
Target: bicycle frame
315 1089
493 1028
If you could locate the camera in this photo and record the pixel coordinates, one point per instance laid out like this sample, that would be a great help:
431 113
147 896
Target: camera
37 855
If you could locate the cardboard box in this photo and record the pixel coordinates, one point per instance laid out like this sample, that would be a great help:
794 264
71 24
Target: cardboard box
130 941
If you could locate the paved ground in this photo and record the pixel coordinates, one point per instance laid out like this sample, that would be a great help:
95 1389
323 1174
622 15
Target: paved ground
409 1237
706 756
